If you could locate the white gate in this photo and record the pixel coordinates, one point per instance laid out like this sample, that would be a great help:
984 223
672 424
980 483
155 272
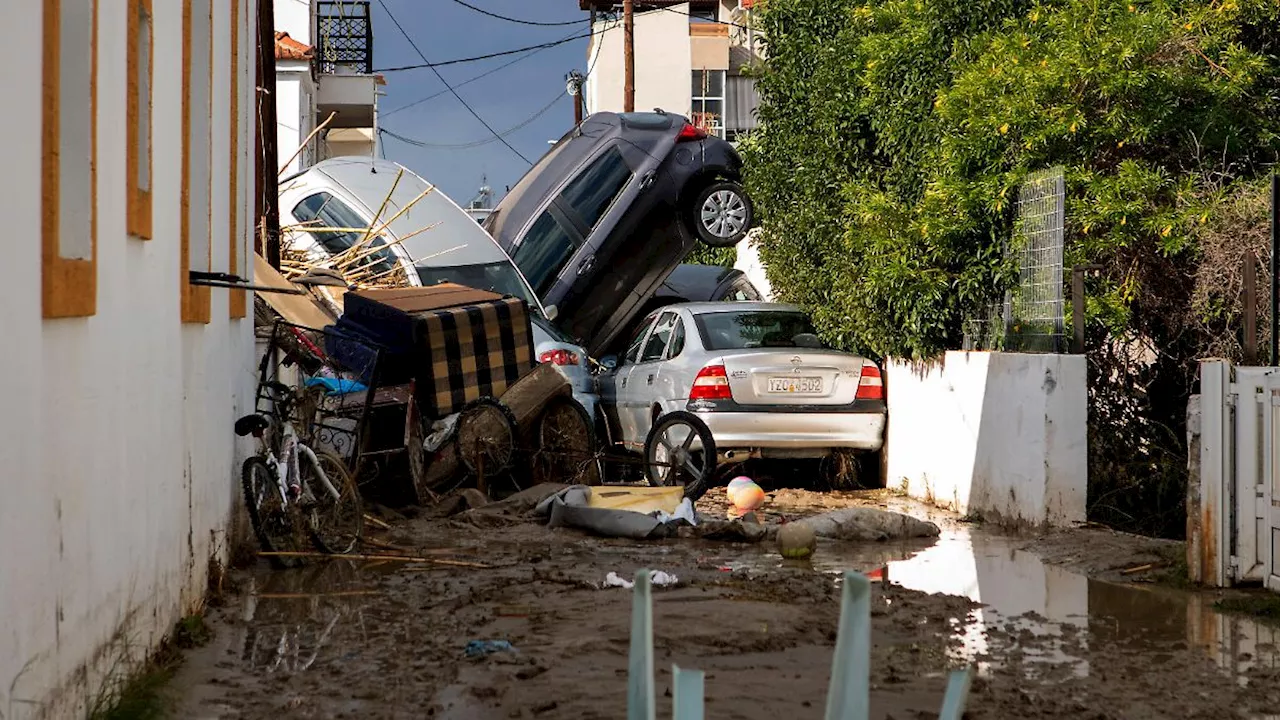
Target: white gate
1237 532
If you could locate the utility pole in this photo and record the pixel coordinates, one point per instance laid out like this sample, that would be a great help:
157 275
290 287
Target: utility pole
628 56
265 181
573 85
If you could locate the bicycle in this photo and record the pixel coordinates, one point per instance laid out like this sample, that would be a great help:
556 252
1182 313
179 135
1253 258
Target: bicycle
294 493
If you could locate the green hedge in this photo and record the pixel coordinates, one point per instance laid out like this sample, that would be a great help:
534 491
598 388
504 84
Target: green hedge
894 135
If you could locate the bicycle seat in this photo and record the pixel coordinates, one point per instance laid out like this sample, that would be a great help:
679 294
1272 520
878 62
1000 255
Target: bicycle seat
251 424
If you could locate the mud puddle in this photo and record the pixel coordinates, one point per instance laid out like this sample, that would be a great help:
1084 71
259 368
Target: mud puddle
1066 613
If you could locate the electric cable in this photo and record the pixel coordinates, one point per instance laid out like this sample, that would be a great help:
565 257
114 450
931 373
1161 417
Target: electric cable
482 11
470 109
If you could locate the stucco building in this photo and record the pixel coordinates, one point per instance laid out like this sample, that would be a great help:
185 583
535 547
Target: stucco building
129 166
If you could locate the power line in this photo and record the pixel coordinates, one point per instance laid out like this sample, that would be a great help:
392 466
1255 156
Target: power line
498 136
468 81
695 17
477 143
482 11
459 61
470 109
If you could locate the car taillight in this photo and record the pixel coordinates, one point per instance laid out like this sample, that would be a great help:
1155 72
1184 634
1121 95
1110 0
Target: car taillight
871 386
690 132
559 357
712 383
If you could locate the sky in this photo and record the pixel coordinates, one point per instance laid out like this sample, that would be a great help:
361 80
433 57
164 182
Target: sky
446 30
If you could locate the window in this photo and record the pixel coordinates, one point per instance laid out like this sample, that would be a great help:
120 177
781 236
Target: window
235 232
138 120
633 348
741 291
323 210
752 329
592 193
69 223
657 342
708 100
544 252
499 277
677 340
197 98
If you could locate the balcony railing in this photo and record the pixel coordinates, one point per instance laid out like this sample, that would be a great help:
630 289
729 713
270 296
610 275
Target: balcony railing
344 32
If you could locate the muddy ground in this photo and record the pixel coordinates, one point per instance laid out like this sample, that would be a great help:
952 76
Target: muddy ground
350 639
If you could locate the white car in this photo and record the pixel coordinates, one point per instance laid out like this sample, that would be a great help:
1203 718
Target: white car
757 377
438 242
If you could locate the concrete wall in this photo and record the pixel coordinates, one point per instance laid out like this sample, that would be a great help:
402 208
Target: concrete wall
664 72
998 434
118 466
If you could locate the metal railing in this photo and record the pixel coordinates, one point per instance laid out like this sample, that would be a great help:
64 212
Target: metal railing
344 37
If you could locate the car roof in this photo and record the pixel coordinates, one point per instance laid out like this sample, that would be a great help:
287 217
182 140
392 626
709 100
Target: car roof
695 282
702 308
454 237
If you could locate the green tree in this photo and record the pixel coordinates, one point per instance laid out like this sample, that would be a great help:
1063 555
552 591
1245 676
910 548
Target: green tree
895 134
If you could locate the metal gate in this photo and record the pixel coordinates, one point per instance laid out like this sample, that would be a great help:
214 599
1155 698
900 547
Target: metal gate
1235 531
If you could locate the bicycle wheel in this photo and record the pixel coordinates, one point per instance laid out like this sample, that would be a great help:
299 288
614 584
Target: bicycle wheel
680 451
272 520
337 523
486 437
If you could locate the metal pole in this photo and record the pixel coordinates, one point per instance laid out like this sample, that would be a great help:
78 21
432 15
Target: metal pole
1274 358
1250 309
628 56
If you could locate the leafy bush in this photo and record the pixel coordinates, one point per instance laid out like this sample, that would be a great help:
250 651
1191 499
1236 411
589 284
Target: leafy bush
894 137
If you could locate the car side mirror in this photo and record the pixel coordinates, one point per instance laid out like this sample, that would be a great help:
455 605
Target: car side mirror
552 312
609 362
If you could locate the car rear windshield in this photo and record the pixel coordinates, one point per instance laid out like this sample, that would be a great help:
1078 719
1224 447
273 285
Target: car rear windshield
499 277
740 329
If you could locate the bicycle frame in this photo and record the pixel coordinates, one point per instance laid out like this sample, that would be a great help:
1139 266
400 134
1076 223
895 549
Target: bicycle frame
287 466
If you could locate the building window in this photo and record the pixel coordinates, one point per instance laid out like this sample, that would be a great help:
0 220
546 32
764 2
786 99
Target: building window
69 222
235 259
708 100
197 51
138 120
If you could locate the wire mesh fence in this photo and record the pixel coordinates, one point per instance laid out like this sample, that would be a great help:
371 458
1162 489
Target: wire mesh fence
1035 306
1031 318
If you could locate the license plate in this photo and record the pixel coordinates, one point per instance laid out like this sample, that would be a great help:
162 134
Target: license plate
795 385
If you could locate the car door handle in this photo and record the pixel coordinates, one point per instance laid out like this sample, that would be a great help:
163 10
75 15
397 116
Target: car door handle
650 379
585 266
647 181
624 382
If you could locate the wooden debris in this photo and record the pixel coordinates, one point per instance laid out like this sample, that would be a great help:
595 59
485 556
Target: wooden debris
390 558
375 521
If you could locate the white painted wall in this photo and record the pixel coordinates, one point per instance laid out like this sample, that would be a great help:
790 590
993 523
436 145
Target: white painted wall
295 18
295 114
662 60
118 466
748 262
1001 434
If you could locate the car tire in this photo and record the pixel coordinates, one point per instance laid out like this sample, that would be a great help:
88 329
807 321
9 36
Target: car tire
721 214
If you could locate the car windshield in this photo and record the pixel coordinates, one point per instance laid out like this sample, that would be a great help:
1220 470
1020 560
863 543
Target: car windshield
740 329
499 277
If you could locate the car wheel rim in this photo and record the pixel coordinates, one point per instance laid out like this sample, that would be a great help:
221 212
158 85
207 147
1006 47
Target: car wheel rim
724 214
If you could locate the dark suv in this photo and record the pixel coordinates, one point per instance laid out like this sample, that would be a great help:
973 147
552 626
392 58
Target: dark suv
603 218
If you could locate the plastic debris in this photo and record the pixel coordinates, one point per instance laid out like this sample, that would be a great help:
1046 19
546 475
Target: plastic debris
481 648
656 577
684 511
441 430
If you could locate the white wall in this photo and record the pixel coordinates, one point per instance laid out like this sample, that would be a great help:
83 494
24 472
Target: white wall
118 466
664 73
294 17
748 261
295 114
1000 434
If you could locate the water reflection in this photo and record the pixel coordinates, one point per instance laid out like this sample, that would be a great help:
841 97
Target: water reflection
1048 617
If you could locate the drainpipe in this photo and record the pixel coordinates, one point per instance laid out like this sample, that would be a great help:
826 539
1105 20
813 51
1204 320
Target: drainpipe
265 156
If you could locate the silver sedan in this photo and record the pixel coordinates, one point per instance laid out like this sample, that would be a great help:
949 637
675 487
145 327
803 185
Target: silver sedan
755 373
